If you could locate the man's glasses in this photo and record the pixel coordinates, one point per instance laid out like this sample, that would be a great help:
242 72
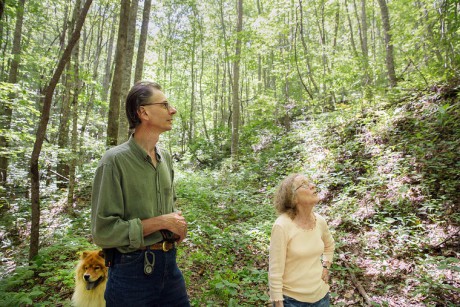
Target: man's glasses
166 105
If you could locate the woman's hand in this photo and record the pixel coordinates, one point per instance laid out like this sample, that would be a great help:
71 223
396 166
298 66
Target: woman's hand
325 275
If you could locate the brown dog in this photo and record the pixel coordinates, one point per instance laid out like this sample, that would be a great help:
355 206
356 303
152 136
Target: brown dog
90 280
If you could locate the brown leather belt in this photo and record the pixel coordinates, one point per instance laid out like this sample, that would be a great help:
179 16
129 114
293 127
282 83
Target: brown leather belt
162 246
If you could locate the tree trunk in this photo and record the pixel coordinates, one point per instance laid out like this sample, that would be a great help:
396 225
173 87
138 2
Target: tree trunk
201 83
336 31
142 41
259 57
236 85
63 165
6 111
192 94
215 108
2 7
117 82
223 109
226 117
310 73
300 24
62 168
74 142
389 58
123 128
41 131
352 38
92 88
108 63
365 51
322 34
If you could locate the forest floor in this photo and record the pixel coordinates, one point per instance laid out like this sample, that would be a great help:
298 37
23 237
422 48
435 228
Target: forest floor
222 268
389 179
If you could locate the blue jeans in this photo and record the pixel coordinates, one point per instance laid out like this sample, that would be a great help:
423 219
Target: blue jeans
127 284
290 302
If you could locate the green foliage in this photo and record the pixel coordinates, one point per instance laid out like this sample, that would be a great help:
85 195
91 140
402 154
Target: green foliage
388 179
210 153
49 280
225 249
21 101
385 166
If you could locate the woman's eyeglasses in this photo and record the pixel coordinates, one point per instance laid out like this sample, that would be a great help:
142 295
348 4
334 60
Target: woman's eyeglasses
305 185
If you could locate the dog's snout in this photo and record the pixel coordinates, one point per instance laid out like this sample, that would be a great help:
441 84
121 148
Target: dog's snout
86 276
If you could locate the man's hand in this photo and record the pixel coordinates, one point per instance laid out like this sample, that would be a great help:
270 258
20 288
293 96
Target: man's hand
173 222
177 224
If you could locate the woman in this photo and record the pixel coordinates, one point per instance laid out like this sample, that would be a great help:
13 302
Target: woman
301 247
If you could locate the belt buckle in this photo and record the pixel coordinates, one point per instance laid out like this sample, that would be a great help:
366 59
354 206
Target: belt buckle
165 249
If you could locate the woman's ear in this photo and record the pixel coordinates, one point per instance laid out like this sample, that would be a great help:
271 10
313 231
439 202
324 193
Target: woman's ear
294 200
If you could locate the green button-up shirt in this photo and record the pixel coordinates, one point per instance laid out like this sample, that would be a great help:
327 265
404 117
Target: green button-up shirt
127 188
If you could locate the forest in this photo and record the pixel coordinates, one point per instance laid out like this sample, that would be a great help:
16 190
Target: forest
361 96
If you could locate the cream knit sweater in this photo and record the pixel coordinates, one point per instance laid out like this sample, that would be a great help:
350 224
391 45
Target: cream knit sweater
295 259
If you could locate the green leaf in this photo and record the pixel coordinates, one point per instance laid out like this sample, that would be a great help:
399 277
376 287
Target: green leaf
389 220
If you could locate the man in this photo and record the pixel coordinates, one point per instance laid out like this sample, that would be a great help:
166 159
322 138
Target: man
133 216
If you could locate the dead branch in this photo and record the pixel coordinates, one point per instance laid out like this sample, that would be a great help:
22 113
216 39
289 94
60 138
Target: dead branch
358 285
447 239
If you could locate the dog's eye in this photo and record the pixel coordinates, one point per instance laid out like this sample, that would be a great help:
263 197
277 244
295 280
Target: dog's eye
97 267
85 267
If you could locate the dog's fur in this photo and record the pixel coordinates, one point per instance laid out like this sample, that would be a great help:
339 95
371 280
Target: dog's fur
90 280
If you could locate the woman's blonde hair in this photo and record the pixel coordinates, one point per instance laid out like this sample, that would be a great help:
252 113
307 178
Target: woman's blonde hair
284 199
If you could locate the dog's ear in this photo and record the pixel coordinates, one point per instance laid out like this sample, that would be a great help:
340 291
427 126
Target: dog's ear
84 254
101 253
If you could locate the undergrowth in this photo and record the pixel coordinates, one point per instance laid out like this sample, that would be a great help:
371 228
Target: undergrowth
389 177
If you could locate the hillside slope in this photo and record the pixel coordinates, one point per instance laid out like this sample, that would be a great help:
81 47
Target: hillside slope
390 175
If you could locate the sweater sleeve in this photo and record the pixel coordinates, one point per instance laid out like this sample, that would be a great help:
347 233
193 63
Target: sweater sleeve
278 247
329 243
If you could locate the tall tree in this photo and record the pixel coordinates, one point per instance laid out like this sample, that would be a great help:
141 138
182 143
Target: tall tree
63 165
227 79
350 26
142 41
236 85
46 100
191 127
123 129
307 60
90 105
6 110
365 50
74 139
202 69
117 81
109 62
2 7
389 58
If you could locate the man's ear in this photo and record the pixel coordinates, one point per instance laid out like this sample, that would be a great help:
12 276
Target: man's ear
142 112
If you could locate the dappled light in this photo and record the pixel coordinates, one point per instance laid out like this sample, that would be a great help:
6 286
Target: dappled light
361 97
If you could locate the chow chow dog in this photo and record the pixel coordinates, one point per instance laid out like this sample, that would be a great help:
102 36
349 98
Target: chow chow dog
90 280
